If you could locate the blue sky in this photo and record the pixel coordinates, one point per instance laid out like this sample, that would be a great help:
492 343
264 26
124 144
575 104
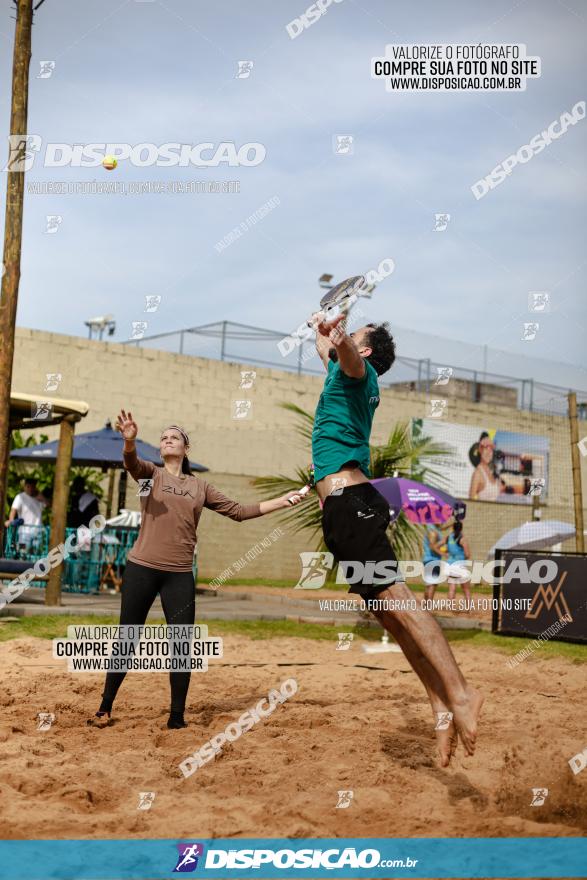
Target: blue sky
165 71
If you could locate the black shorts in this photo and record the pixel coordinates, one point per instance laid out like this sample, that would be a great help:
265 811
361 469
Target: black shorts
355 523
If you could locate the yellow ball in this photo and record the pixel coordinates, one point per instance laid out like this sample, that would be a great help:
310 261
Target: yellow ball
109 162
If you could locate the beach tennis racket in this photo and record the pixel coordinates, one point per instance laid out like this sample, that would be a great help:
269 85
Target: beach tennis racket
341 298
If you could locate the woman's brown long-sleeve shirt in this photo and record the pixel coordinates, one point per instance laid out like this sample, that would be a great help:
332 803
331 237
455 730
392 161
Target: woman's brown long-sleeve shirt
170 512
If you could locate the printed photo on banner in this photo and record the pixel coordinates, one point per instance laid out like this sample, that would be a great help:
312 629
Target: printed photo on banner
488 464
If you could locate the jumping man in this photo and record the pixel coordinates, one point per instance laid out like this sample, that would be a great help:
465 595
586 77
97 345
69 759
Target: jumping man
355 521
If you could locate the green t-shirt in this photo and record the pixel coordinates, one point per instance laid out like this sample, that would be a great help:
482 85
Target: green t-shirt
342 424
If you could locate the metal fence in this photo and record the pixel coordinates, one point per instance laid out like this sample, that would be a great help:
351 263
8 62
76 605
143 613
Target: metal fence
241 343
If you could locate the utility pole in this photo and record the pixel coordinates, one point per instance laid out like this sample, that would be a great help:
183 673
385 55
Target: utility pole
576 465
13 227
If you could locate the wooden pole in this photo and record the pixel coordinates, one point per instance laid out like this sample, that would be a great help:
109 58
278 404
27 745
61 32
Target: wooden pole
576 462
59 508
110 495
13 226
122 481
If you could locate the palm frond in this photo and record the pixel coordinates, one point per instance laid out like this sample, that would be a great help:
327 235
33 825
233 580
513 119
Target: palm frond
403 455
305 423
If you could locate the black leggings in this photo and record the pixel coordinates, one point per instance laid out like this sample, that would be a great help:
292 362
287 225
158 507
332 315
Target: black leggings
140 586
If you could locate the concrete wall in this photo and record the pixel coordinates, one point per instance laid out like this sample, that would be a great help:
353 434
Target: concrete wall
161 388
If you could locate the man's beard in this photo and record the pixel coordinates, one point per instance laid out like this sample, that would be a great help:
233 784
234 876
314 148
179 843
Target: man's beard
333 355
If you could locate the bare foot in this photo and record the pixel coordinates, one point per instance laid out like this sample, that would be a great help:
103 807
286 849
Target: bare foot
446 743
466 714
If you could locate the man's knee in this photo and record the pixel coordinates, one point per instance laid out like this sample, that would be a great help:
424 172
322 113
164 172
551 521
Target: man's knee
396 599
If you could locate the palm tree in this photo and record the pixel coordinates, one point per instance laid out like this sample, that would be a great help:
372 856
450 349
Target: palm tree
403 455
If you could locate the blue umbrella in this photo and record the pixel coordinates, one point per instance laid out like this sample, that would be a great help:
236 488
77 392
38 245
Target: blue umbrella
99 449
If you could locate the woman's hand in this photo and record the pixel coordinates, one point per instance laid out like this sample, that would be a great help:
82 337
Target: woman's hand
126 425
290 499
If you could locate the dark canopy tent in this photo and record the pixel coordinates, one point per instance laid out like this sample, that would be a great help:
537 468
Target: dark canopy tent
99 449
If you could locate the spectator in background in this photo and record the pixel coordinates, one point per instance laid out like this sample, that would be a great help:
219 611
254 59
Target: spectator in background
27 513
457 548
84 504
434 551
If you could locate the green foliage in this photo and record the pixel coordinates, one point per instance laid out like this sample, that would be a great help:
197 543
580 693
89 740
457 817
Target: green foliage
43 472
403 455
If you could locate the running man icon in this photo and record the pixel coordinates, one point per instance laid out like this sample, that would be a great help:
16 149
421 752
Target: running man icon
187 861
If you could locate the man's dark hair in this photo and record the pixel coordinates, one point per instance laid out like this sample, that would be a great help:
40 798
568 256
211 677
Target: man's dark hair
30 481
380 340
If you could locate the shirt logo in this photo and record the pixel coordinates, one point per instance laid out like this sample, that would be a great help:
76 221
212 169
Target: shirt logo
175 491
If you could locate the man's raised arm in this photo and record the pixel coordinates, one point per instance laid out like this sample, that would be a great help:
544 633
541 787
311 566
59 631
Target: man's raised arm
334 332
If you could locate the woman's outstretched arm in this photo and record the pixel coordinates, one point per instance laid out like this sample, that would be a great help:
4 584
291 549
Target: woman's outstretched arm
137 468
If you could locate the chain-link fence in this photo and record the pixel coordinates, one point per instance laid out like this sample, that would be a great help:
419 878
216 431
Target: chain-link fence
230 341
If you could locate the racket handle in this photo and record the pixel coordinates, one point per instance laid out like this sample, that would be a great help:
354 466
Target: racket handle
303 491
316 318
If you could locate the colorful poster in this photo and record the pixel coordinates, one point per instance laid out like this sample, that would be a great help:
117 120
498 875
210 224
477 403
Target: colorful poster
486 463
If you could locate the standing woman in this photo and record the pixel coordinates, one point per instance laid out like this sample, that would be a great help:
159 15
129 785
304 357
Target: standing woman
161 560
458 551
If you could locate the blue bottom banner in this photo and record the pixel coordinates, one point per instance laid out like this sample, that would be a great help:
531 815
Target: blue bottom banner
539 857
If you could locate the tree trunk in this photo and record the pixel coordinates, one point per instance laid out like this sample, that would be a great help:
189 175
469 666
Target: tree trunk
13 227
